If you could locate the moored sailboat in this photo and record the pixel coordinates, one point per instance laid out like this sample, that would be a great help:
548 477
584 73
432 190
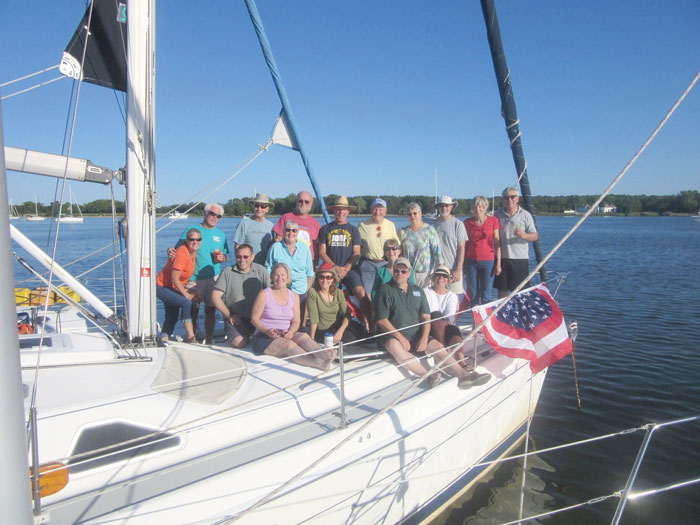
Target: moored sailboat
13 211
36 216
70 218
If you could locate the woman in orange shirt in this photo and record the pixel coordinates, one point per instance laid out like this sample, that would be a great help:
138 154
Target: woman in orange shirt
171 286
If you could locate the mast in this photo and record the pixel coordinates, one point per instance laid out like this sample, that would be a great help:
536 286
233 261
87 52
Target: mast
15 499
140 167
509 112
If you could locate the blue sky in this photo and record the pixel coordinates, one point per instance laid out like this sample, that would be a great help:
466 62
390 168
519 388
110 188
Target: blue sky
383 92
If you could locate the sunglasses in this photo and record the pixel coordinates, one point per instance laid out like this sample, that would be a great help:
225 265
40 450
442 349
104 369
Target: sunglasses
301 201
325 277
214 214
194 239
242 256
511 196
391 249
262 205
441 276
291 230
402 272
379 231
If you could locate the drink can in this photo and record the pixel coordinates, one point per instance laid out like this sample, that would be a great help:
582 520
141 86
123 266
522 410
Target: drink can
328 339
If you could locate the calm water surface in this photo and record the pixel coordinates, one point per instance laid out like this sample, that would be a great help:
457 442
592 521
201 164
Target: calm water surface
633 287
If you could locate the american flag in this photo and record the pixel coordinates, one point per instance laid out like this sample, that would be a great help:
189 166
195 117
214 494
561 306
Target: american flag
531 326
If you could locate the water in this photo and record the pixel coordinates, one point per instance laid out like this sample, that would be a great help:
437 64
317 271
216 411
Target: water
632 287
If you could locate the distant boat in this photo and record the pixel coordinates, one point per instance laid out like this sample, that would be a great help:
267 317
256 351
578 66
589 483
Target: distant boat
70 218
176 216
36 216
13 211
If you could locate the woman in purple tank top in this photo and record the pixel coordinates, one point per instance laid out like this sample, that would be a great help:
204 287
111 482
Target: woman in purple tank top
275 316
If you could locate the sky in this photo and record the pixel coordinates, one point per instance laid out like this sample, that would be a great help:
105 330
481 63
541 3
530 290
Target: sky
384 93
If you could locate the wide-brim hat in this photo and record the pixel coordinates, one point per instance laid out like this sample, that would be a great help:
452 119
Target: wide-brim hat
327 268
447 200
261 198
441 270
341 202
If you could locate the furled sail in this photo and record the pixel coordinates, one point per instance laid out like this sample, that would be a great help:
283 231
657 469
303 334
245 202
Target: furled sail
105 57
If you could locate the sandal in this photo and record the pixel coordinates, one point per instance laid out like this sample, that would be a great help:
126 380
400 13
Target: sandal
193 340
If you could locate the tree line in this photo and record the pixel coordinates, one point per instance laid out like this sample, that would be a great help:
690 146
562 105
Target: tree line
685 202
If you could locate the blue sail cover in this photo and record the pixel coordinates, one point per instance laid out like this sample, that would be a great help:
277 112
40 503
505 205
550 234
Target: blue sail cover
286 115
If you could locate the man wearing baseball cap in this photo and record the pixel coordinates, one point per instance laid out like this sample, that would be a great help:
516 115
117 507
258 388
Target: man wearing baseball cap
374 232
453 240
400 308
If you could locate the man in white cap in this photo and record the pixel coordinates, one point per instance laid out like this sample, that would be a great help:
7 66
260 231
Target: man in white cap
453 240
374 232
339 245
256 230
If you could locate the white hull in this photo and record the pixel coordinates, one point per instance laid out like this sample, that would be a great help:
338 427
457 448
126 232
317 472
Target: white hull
279 420
34 218
69 220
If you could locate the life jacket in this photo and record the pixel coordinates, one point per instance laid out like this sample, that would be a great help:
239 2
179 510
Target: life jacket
24 325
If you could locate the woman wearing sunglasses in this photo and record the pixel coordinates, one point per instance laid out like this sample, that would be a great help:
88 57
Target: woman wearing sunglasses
328 308
171 286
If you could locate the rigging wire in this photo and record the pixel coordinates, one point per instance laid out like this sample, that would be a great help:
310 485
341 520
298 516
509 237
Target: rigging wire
31 88
58 224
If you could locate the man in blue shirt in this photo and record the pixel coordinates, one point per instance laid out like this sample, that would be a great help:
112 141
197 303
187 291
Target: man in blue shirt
211 253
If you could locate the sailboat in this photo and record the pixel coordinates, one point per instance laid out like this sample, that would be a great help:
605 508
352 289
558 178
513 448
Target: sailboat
36 216
70 218
177 215
124 429
13 211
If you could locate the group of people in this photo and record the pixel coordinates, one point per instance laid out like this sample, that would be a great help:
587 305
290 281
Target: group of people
283 294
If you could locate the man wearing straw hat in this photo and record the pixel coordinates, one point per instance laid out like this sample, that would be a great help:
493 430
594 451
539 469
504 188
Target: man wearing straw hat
256 230
339 244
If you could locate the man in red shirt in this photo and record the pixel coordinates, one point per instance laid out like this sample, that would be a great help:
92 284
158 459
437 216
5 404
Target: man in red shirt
308 226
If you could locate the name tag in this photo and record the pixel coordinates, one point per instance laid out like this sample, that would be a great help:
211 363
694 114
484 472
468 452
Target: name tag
416 293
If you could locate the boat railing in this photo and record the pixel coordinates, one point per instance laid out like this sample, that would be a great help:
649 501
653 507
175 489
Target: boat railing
623 495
